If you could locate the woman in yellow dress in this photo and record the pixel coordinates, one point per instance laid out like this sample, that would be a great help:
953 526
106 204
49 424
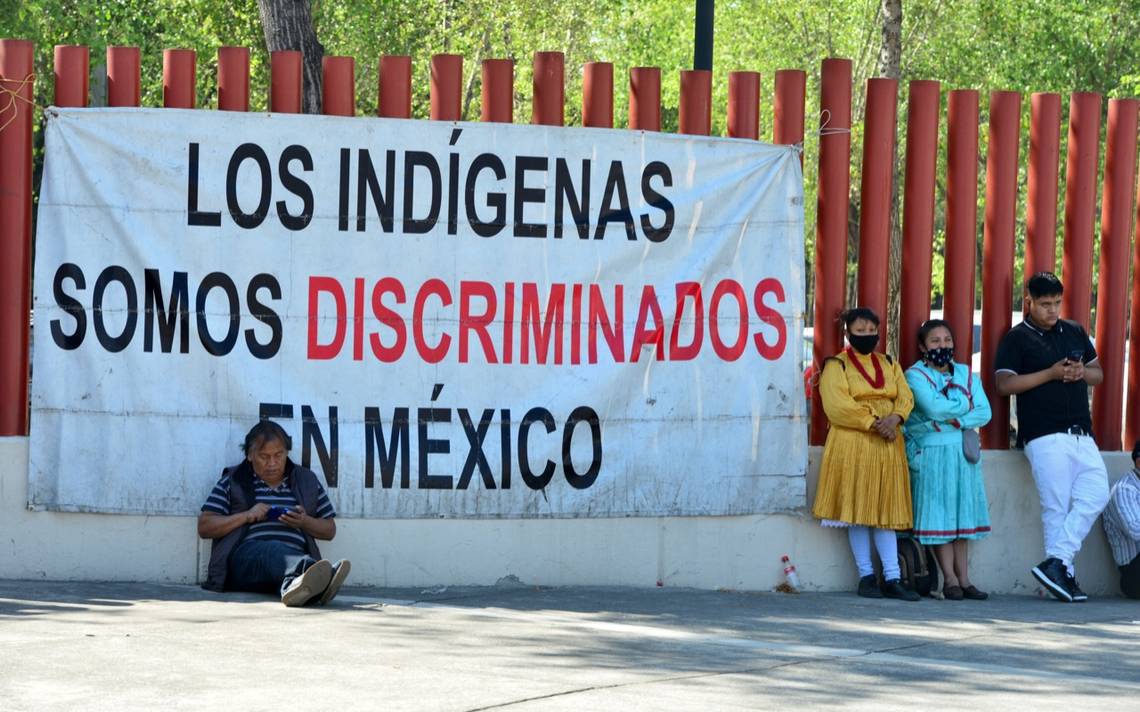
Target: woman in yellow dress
864 484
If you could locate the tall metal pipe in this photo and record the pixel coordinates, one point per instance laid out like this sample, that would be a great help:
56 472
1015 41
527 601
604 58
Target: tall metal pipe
17 80
997 264
875 198
831 223
918 213
1116 217
961 219
1080 205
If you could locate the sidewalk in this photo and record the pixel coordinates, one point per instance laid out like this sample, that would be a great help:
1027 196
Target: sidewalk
78 646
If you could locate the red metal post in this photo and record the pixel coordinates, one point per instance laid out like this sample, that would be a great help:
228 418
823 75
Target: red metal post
178 78
446 83
875 198
1041 203
831 223
549 89
17 82
123 67
1116 219
788 109
961 219
338 86
696 102
72 69
498 90
233 78
285 77
598 95
997 263
1080 205
744 105
645 99
918 214
1132 412
395 87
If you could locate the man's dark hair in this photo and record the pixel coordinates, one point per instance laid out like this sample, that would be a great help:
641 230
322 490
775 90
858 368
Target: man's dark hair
1136 451
850 316
266 431
1044 284
930 325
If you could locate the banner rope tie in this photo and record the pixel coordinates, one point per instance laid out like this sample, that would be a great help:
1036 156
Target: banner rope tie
824 120
12 95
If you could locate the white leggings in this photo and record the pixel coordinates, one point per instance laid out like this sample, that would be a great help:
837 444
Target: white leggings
886 544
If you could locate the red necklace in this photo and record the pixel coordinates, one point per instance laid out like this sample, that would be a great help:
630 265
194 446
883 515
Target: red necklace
878 381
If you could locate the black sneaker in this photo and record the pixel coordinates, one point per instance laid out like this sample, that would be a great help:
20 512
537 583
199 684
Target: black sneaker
868 588
895 589
1079 596
1053 576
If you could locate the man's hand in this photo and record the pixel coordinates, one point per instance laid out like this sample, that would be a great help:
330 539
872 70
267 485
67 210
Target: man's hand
1059 371
294 518
1074 371
256 513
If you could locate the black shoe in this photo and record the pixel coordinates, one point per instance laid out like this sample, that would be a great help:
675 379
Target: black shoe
868 588
894 589
1053 576
1079 596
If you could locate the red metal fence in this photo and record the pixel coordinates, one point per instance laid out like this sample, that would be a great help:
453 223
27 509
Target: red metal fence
743 121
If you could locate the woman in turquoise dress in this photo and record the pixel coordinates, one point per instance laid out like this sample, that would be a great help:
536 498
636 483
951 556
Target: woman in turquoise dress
950 506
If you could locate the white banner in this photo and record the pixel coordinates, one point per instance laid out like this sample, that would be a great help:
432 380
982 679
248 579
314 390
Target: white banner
451 319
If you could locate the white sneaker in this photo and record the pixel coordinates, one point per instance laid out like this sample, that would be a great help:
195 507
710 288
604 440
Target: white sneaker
339 574
308 585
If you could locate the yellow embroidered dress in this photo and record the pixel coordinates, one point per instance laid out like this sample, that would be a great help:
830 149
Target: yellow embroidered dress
863 478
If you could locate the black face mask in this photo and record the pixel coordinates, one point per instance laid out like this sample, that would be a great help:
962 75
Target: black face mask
940 356
863 343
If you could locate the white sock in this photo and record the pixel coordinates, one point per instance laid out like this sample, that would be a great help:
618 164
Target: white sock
860 540
887 544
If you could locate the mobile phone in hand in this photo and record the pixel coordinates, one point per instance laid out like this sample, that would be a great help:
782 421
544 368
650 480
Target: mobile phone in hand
275 513
1076 355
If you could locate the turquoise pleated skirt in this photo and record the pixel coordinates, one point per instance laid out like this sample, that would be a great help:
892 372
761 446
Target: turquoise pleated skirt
949 495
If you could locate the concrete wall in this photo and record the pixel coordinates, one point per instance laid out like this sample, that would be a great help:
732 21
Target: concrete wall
741 553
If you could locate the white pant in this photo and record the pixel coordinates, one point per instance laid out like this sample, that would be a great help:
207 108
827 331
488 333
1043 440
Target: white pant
1073 486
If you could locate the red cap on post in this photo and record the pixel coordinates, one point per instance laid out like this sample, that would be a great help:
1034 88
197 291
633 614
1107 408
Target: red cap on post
696 102
744 105
549 89
123 66
233 78
285 78
598 95
446 85
72 68
498 90
178 78
338 97
645 99
395 87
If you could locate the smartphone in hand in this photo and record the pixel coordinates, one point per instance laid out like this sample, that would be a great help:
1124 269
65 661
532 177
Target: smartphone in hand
1076 355
275 513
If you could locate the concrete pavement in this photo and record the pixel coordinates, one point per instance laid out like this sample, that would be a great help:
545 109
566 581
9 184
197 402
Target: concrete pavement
68 646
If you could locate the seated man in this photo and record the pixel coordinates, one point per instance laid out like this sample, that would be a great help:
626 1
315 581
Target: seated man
1122 526
264 535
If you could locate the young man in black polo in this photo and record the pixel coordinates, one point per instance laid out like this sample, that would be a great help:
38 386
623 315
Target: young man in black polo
1049 364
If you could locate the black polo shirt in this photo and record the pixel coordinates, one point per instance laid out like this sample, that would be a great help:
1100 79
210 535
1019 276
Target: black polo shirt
1055 406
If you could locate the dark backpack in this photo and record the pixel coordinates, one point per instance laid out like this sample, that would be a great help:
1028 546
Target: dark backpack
918 570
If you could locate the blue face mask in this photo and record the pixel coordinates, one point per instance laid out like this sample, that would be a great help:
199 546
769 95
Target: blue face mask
940 356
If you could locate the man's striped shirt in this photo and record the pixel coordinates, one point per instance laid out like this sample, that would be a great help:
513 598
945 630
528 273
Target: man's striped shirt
219 503
1122 519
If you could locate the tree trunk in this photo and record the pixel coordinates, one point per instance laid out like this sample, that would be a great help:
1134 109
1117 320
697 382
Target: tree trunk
288 24
890 56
